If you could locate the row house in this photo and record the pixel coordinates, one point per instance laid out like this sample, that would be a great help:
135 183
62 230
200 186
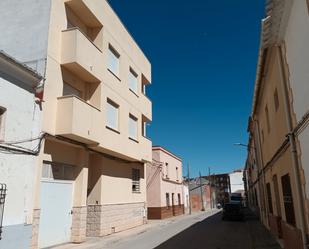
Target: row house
165 192
277 165
90 175
20 140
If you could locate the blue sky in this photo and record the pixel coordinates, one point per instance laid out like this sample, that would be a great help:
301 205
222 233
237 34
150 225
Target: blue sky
203 55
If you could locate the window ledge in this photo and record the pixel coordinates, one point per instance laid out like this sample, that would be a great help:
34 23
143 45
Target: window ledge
117 77
112 129
133 92
136 192
133 139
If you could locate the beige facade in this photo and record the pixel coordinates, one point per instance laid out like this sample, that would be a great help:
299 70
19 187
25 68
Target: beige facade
276 162
95 113
165 194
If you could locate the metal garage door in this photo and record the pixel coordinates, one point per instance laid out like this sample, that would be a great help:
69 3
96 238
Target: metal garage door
56 207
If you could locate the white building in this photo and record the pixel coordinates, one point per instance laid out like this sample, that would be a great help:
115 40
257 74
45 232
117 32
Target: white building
19 124
236 181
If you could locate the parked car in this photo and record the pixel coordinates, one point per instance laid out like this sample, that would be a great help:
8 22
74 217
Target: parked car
232 211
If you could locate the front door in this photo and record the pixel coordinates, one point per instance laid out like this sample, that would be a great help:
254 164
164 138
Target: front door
56 217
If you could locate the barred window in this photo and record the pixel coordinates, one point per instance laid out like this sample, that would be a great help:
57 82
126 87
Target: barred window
167 197
288 200
136 180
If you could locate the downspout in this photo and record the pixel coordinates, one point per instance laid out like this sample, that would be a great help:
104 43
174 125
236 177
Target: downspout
291 137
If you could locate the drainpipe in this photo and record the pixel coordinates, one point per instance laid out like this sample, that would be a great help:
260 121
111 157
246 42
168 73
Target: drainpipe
291 137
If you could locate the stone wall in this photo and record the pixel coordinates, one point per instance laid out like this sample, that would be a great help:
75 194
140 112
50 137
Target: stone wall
103 220
35 228
79 221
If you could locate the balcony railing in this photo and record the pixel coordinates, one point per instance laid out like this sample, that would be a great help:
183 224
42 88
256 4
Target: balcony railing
77 120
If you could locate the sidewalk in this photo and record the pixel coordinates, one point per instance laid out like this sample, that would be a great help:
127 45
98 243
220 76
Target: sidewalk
171 226
261 238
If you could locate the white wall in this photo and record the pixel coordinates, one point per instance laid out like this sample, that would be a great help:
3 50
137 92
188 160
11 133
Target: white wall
236 181
22 121
297 40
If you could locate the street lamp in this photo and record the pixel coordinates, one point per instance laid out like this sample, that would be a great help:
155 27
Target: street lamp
2 200
244 145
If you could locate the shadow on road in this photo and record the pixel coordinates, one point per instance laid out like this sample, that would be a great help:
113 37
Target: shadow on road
213 233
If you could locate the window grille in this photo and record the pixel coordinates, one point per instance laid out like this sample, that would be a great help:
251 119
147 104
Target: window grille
136 180
3 190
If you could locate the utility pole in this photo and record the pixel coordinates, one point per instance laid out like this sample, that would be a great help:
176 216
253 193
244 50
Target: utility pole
201 188
210 186
190 211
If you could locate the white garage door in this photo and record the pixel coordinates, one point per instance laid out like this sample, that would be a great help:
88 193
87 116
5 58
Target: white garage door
56 207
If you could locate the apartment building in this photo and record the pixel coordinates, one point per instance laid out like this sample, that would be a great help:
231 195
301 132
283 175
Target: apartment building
236 182
164 185
90 178
221 184
279 121
20 140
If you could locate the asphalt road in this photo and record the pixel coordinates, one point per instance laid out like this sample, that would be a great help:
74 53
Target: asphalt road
213 233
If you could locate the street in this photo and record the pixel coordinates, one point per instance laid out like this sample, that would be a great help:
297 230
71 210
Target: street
200 230
213 233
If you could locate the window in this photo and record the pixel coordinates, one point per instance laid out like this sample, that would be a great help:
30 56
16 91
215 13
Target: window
270 204
177 176
136 180
113 60
144 84
57 171
133 81
267 118
133 127
144 126
276 100
167 197
166 170
179 200
70 90
277 196
112 115
2 121
288 200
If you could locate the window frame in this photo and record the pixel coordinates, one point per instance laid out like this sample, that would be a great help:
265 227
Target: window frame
167 200
288 201
136 180
135 119
116 54
133 74
112 103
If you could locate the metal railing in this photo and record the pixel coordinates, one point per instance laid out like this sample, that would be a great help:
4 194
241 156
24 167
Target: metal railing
3 190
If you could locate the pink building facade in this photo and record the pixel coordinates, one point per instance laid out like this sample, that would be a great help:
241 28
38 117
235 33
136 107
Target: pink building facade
165 197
